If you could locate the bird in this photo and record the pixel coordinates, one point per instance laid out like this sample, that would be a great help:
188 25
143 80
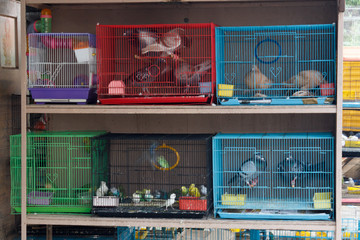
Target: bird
306 80
136 197
256 80
168 43
148 197
189 75
170 201
102 190
115 191
140 38
162 162
293 170
350 182
184 191
203 190
144 78
194 191
249 171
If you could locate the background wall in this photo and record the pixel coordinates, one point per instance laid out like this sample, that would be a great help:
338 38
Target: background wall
9 84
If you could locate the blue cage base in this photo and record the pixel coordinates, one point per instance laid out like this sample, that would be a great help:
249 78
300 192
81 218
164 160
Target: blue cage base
280 215
275 101
351 104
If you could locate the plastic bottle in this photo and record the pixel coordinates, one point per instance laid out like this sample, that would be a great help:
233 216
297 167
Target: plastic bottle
46 19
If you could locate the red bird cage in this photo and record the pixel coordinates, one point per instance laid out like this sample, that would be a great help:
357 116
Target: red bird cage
162 63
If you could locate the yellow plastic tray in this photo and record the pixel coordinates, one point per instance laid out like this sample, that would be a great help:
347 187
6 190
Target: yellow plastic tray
225 90
322 200
232 199
350 144
351 120
354 190
351 81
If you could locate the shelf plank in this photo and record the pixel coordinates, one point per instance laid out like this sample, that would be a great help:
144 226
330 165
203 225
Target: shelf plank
29 2
178 109
87 220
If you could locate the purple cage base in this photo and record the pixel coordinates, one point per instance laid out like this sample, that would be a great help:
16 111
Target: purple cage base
39 198
64 95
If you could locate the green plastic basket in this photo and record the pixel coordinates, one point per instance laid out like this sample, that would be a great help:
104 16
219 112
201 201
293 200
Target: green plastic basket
59 171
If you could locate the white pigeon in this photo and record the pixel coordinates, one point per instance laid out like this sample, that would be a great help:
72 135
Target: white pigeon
170 201
102 190
351 182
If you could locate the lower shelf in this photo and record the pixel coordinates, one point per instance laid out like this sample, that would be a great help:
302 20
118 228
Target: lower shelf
88 220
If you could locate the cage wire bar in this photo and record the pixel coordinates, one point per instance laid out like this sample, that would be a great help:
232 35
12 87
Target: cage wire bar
276 64
144 171
59 175
159 63
62 67
273 176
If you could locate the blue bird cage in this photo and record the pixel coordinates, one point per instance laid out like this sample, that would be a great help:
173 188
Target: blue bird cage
273 176
281 65
350 228
285 234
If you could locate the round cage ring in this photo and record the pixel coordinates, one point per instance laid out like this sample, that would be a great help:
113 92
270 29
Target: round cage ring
157 69
177 158
276 57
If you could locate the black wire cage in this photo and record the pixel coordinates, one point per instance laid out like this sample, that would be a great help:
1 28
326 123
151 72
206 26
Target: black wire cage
153 175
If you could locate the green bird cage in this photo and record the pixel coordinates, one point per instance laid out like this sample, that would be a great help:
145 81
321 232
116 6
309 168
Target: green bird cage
59 171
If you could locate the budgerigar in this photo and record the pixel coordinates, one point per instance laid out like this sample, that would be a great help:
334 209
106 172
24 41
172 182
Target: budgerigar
163 163
148 196
102 190
136 197
184 191
194 191
203 190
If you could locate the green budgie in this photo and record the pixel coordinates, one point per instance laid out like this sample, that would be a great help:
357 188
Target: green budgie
162 162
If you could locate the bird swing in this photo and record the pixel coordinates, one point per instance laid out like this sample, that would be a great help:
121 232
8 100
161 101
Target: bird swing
167 168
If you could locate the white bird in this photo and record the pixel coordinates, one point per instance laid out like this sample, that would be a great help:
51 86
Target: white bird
203 190
170 201
351 182
102 190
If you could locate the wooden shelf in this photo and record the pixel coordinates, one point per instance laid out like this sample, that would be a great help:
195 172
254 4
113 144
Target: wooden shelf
30 2
178 109
87 220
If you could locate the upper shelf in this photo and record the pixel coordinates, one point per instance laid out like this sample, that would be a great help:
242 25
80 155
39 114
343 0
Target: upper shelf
87 220
178 109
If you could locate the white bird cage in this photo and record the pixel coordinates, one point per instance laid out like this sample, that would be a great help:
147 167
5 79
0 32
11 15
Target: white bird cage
62 67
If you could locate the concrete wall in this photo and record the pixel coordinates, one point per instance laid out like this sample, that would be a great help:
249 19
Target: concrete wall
9 84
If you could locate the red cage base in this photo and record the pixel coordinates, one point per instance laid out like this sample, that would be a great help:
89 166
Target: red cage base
157 100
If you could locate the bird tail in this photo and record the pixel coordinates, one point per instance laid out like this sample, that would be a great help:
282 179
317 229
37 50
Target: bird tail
318 167
232 180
